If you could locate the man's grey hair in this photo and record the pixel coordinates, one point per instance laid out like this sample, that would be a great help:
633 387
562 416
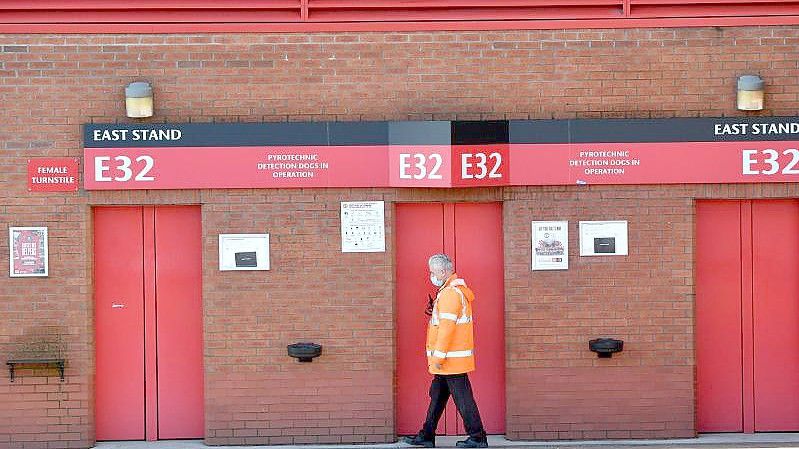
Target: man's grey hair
439 261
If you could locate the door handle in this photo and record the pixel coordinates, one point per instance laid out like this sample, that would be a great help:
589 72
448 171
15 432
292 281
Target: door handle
117 306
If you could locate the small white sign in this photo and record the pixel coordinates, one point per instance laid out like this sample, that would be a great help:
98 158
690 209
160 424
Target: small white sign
363 227
603 238
550 245
243 252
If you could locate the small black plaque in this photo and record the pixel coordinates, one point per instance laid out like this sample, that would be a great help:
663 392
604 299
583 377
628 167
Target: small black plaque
604 245
246 259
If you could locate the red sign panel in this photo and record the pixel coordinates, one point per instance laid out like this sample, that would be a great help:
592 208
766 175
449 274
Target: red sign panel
235 167
436 165
480 165
420 166
53 174
655 163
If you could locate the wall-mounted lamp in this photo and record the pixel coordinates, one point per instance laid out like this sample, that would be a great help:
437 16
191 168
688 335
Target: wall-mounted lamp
139 99
750 93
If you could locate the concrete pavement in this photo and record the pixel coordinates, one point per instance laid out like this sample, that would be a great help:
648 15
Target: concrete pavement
705 441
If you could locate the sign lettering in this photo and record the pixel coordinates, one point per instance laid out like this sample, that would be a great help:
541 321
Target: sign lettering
53 174
481 162
102 168
420 166
775 161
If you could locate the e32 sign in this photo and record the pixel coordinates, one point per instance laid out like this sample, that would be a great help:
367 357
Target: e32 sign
446 166
420 166
481 165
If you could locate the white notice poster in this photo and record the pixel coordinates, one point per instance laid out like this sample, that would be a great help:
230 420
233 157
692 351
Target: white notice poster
363 227
603 238
550 245
243 252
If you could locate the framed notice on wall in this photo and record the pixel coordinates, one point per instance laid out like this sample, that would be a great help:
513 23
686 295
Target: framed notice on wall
603 238
28 251
550 245
239 252
363 227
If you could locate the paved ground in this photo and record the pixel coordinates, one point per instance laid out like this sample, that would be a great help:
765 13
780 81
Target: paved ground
707 441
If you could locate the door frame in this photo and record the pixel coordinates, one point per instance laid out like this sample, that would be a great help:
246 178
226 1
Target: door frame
453 420
147 261
730 246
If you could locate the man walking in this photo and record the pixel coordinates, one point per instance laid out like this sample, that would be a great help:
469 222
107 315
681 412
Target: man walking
450 356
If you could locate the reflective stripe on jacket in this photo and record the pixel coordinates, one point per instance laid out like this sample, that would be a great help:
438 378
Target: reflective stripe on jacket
450 333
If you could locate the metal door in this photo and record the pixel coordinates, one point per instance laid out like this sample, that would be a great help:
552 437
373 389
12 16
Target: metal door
119 323
478 252
747 316
178 288
775 276
472 235
148 273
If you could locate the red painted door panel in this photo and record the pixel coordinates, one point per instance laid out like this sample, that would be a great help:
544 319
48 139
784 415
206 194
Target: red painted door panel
420 234
718 317
775 236
178 250
747 312
478 254
148 274
472 235
119 318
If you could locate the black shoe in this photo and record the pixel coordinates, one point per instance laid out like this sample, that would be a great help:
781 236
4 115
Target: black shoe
472 442
420 440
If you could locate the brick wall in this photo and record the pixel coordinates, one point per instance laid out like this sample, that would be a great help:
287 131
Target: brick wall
313 292
557 389
50 84
645 299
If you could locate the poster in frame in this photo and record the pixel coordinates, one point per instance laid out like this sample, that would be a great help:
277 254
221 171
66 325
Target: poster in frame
28 251
550 245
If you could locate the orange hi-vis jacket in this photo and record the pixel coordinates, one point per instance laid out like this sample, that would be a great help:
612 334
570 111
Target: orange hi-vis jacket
450 333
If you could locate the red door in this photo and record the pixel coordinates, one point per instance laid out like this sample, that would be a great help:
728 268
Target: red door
775 310
472 235
119 323
148 270
747 314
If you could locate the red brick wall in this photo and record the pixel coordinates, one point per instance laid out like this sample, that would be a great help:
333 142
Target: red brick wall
50 84
256 394
557 389
646 299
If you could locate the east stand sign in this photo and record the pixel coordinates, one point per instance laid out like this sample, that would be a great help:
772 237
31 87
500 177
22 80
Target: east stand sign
440 153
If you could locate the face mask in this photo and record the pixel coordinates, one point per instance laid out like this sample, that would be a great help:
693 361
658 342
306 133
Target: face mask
435 280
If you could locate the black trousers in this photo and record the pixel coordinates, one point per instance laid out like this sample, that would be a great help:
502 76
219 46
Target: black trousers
460 388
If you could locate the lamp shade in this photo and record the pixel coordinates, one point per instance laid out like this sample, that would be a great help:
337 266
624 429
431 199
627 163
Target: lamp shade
139 99
750 93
